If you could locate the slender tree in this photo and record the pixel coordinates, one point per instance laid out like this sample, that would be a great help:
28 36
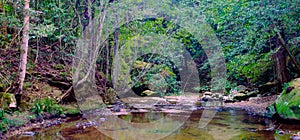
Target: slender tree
24 50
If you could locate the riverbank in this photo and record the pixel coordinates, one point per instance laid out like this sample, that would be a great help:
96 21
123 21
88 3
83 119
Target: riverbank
169 104
254 106
31 127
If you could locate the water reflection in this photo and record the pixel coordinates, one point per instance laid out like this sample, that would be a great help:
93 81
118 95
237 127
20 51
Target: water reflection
226 125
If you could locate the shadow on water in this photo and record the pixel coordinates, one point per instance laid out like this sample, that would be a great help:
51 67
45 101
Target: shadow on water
226 125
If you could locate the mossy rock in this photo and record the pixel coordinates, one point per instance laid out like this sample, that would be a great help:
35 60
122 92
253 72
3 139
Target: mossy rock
287 104
240 97
7 100
111 96
47 88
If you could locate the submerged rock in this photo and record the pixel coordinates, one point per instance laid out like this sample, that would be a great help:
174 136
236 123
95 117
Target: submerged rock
287 105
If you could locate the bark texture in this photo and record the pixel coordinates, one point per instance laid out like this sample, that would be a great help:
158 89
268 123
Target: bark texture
24 48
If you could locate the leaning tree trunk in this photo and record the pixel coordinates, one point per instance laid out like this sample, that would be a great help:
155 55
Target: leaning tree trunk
280 57
24 50
284 45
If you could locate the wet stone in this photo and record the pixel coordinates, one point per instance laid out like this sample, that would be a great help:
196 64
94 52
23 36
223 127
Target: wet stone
28 133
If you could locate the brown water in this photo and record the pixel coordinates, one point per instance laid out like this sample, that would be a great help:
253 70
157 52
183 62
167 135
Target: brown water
226 125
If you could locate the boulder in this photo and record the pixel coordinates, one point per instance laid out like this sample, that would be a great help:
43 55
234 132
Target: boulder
147 93
239 89
287 105
208 93
173 101
228 98
208 96
240 96
252 93
57 93
46 88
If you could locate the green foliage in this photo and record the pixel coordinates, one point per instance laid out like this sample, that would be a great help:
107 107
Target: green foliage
8 120
246 29
5 100
72 111
43 30
37 107
59 66
5 123
47 105
284 87
26 85
159 78
229 86
63 74
201 88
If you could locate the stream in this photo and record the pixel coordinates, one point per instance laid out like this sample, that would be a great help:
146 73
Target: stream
226 125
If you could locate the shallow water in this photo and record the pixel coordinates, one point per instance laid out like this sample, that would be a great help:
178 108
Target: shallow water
226 125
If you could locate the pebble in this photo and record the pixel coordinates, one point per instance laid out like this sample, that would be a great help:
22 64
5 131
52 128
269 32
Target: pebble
77 125
280 132
102 119
29 133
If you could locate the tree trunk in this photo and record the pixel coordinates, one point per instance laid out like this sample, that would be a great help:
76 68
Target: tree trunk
24 50
115 69
288 52
281 56
107 63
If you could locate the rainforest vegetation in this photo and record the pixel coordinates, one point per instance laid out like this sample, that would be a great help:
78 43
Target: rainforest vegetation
49 49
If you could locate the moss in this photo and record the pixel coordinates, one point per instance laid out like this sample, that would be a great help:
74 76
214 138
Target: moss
271 111
5 100
288 104
72 111
59 67
111 96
